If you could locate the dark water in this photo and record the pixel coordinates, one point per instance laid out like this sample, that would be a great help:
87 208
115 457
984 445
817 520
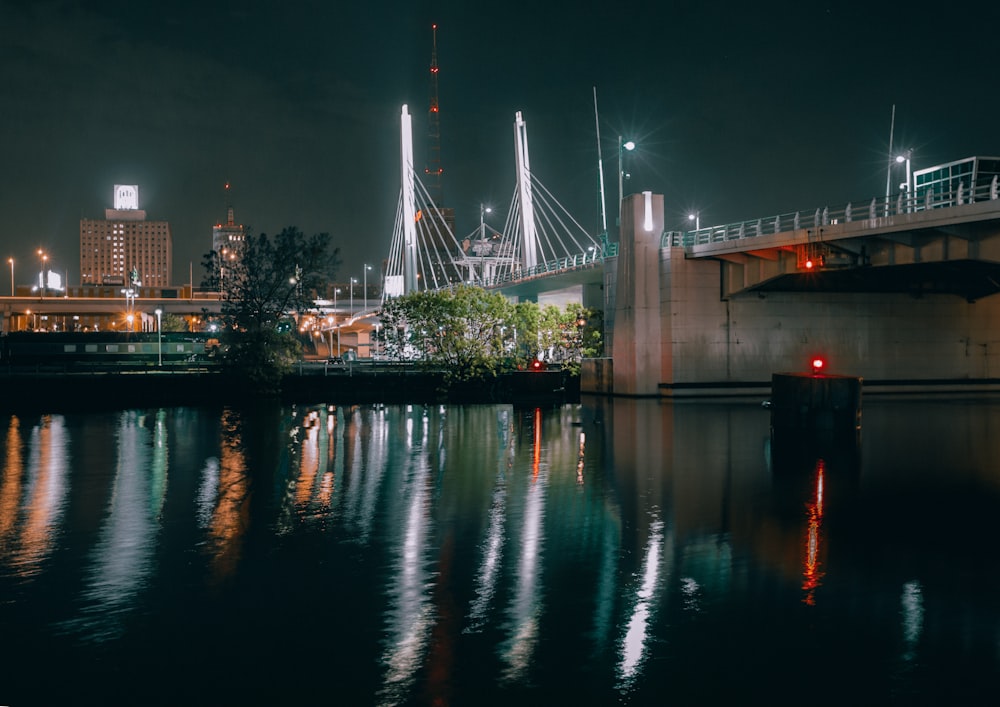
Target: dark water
625 552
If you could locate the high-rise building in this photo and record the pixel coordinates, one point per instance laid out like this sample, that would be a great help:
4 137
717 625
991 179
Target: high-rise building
125 248
227 235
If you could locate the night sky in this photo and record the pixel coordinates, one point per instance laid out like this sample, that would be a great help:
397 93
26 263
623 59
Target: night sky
741 110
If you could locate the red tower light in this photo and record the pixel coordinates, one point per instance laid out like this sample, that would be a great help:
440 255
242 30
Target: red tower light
818 364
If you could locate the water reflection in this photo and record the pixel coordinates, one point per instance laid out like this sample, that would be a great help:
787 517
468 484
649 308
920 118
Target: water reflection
615 552
410 613
526 606
122 561
637 626
33 495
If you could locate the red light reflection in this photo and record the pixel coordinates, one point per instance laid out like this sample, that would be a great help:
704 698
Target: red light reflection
811 564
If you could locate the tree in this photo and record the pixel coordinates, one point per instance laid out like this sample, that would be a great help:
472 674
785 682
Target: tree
472 333
173 322
461 330
264 280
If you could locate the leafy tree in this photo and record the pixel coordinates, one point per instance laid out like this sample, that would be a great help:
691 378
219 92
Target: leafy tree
472 333
263 280
460 330
173 322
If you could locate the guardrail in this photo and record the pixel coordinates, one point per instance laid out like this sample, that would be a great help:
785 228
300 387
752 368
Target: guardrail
779 223
590 258
875 208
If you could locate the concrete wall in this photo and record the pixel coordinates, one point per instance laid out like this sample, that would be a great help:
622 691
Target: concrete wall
881 337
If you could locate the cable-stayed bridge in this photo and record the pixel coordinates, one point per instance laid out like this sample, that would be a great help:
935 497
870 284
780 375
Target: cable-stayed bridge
539 236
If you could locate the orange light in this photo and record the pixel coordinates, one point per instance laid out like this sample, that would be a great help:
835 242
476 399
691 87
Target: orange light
809 265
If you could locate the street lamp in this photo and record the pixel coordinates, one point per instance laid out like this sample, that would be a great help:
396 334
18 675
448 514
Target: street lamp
41 274
907 185
622 146
364 292
696 217
159 338
11 261
353 282
335 291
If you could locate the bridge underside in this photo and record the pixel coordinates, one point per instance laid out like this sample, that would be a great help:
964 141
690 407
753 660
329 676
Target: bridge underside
969 279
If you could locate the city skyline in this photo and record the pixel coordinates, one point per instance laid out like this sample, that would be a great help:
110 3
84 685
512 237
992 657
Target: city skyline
736 114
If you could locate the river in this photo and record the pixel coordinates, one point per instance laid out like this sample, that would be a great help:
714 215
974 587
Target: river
613 552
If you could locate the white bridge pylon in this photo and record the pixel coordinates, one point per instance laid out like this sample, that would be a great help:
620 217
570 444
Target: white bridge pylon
426 255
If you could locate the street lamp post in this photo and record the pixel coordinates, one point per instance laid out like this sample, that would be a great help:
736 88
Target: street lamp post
622 147
11 261
41 273
364 292
353 281
159 338
696 217
335 291
907 185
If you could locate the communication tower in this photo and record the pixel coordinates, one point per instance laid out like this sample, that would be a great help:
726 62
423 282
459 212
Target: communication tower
433 169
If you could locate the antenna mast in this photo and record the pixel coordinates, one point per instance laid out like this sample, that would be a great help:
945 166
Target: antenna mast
433 169
600 168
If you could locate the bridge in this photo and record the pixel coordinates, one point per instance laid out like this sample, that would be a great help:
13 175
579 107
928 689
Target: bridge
896 290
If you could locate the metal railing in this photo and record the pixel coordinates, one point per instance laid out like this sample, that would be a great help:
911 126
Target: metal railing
877 207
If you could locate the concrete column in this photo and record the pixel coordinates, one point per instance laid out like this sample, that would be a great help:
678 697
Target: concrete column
637 347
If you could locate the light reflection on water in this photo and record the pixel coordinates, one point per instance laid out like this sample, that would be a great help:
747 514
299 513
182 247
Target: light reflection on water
617 551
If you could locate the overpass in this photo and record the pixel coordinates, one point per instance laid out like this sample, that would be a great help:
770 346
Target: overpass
36 311
898 294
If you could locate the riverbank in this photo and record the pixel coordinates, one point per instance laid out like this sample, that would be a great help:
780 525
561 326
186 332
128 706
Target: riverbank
62 390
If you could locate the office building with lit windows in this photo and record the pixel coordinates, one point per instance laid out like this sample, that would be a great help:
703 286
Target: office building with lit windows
124 245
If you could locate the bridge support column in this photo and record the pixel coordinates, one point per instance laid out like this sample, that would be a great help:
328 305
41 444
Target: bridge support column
636 347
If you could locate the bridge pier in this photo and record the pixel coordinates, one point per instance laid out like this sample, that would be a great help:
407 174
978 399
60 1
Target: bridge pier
636 347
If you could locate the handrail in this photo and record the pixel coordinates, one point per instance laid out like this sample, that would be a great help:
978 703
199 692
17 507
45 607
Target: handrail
877 207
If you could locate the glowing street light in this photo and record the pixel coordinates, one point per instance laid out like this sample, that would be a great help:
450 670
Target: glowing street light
907 185
11 261
696 217
364 292
622 147
43 257
159 338
336 290
354 281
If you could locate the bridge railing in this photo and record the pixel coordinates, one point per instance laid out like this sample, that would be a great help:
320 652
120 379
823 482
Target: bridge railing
794 221
572 262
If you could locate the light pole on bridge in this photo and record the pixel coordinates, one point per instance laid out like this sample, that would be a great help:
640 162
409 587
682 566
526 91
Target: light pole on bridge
696 217
11 261
908 184
622 147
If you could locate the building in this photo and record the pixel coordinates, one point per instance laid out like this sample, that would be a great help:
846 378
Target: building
228 235
124 248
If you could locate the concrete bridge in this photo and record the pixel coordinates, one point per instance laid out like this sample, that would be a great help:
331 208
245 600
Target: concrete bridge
897 294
